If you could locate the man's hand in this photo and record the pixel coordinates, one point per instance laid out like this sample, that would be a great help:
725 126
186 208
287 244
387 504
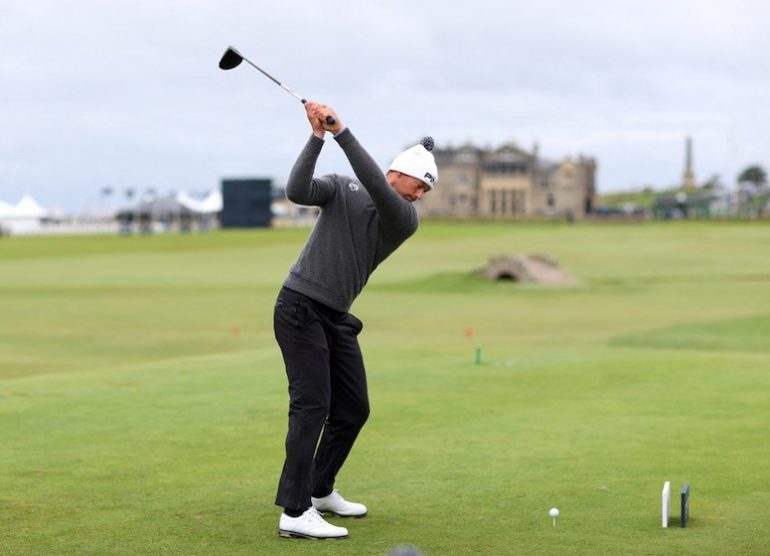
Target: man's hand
317 114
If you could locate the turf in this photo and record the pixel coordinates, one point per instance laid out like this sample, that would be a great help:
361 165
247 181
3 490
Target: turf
143 400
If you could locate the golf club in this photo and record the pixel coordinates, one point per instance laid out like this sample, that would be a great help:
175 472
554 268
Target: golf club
232 58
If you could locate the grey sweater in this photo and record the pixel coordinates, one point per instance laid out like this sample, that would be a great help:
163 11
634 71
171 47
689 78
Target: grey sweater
362 221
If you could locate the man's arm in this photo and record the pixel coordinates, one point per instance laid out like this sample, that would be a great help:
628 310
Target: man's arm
302 188
397 215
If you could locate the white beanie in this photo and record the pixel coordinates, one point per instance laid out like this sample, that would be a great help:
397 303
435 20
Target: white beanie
418 162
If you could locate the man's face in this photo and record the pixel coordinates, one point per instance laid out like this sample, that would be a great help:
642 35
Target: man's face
408 187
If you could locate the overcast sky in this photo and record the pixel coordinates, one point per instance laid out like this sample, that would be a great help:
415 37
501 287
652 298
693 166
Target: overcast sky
127 94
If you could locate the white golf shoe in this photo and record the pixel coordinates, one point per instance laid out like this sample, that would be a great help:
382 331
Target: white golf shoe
310 525
337 505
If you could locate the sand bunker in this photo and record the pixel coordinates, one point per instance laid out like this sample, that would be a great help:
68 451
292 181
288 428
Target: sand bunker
531 269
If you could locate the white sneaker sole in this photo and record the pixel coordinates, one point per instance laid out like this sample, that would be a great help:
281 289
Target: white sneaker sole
294 535
335 514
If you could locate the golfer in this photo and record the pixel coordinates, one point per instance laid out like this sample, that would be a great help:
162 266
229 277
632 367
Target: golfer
362 221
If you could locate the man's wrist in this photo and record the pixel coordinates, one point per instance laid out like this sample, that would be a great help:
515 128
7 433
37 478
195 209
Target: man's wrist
344 137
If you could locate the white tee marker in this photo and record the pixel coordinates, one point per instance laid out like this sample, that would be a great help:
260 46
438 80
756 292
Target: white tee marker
665 503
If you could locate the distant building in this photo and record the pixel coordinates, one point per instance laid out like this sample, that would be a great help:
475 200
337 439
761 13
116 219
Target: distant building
715 202
680 206
509 182
174 212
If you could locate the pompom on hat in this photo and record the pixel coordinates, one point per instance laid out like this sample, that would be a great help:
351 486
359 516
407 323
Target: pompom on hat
418 162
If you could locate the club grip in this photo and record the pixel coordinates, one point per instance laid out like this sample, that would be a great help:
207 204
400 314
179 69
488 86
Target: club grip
329 119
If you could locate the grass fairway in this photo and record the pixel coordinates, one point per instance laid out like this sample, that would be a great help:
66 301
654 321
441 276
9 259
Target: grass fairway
143 399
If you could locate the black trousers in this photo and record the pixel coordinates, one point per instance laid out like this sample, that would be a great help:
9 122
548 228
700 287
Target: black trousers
327 394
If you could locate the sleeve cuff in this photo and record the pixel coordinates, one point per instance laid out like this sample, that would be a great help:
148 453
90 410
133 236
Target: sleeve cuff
344 137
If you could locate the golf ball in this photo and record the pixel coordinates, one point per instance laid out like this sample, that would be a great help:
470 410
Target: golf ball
553 512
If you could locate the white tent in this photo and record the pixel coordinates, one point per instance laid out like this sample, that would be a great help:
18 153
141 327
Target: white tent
209 205
26 208
22 217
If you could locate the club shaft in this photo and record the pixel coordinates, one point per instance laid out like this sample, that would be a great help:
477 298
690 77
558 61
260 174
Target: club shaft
329 119
274 80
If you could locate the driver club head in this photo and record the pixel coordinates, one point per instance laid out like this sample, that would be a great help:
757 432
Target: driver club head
230 59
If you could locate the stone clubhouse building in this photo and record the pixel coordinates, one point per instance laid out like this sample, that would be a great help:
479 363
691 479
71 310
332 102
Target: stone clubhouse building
509 182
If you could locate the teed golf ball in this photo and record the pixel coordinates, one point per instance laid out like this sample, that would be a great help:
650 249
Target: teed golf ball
553 512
